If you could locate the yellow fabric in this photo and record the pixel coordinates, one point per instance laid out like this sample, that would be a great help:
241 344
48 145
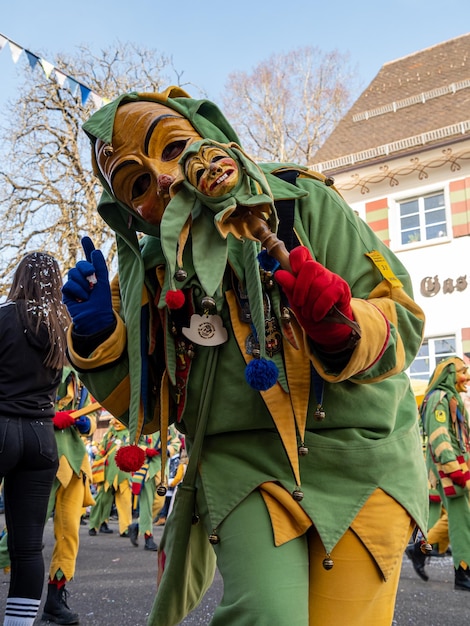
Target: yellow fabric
354 591
279 402
119 398
123 501
289 521
68 511
65 472
439 533
107 352
368 349
371 526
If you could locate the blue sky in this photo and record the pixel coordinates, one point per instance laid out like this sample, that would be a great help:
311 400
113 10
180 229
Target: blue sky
209 40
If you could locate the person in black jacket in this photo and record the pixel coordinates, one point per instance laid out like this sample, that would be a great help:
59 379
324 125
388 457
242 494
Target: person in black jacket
33 324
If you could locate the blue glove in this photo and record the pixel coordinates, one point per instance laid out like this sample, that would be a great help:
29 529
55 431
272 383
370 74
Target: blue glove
87 293
83 424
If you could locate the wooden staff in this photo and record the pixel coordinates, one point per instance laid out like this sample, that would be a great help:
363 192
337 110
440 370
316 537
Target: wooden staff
276 248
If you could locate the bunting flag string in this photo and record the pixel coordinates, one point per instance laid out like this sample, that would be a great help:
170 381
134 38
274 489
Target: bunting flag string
64 81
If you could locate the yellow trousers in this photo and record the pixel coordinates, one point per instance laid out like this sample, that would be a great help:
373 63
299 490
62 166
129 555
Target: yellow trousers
68 507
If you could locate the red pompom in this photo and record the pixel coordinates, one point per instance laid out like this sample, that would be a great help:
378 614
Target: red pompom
130 458
174 299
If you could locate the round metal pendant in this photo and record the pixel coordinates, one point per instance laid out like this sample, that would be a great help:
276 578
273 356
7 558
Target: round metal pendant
298 494
208 304
181 275
214 539
328 562
303 450
319 414
425 547
161 490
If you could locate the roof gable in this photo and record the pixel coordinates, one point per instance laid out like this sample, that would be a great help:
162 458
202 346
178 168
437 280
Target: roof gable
420 99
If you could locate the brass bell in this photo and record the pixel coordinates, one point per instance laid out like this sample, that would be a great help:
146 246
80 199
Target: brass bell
328 562
181 275
208 304
329 181
108 150
161 490
425 547
319 414
190 352
303 450
214 539
195 519
285 314
256 353
298 494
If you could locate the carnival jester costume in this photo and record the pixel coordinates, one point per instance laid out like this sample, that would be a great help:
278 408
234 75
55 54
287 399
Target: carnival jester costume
445 421
114 486
318 465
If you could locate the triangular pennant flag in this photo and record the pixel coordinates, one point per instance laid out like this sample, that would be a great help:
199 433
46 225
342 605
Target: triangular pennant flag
72 85
85 93
97 100
47 67
60 77
32 58
15 51
3 41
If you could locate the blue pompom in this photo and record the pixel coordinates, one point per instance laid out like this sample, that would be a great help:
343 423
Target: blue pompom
261 374
267 262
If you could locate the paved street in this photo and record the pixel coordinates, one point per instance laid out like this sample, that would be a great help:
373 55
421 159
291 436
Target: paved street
115 583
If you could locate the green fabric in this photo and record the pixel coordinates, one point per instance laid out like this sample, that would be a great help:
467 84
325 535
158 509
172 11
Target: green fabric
370 437
344 464
69 441
186 560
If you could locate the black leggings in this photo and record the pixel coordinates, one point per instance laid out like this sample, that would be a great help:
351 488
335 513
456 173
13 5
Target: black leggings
28 465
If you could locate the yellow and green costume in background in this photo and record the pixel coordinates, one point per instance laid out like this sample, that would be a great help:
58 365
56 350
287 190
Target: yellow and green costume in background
363 480
144 482
115 486
446 425
71 490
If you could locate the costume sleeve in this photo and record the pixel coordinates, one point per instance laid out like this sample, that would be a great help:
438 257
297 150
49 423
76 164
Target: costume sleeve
437 420
391 323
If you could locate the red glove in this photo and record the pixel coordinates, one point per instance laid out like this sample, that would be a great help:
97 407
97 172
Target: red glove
63 420
150 452
312 290
458 478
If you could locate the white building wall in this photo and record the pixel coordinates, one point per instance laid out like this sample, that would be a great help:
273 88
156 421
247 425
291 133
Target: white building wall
445 260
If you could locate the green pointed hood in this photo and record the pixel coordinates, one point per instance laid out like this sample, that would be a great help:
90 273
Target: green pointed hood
210 123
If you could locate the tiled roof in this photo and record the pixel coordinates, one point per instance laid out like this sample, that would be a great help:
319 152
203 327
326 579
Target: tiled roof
422 98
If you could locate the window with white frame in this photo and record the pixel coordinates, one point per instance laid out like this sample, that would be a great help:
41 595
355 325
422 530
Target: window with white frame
423 218
431 353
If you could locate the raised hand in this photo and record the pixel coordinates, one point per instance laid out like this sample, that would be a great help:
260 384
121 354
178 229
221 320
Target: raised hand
87 293
312 291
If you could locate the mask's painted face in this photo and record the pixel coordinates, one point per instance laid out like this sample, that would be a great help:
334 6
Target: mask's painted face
462 377
142 163
212 171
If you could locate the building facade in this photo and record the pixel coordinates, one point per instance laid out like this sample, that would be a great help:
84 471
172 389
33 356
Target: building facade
401 159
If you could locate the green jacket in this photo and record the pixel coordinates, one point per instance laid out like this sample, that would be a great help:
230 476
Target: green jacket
370 437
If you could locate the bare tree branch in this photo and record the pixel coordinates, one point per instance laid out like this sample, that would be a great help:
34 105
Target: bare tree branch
285 109
48 193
